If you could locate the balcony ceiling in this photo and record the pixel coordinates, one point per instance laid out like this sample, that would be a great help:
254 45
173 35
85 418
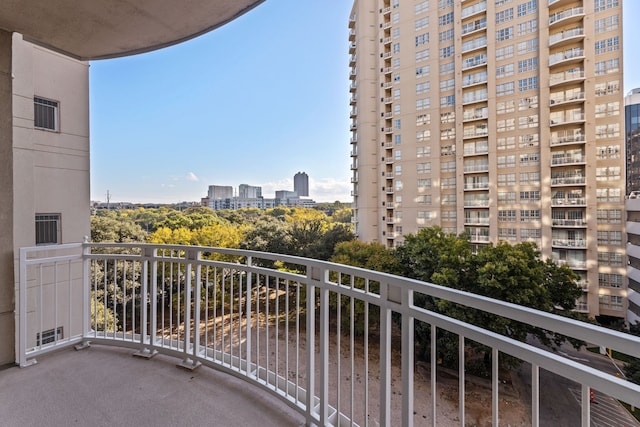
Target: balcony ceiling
106 29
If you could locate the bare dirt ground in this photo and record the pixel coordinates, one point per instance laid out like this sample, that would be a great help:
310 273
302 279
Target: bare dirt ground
354 378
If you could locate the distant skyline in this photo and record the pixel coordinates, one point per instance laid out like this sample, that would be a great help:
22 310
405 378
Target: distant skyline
252 102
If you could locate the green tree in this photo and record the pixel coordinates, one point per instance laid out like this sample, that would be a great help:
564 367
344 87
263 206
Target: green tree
632 371
110 227
512 273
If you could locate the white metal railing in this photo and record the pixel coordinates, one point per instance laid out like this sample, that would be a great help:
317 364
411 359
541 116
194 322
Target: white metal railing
309 325
476 25
576 52
556 78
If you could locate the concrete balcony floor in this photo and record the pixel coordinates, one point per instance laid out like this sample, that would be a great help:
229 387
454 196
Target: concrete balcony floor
107 386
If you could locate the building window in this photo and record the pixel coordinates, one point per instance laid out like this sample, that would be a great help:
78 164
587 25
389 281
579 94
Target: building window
446 52
530 45
422 55
422 71
607 45
504 15
504 70
504 34
609 66
422 23
525 65
506 216
528 27
527 7
445 36
607 24
422 39
422 87
47 229
527 84
422 7
600 5
505 89
446 19
504 52
529 215
45 114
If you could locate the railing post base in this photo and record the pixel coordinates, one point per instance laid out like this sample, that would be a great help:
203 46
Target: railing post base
29 362
84 344
189 364
145 353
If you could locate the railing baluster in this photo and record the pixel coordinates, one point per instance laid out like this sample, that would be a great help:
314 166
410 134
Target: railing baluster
324 356
197 305
310 350
385 357
249 316
434 365
585 405
407 367
461 379
495 384
535 395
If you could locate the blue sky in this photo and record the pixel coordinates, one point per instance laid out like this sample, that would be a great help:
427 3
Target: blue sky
252 102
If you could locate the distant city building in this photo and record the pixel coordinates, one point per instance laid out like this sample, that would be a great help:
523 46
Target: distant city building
632 135
301 184
632 303
221 197
249 192
220 192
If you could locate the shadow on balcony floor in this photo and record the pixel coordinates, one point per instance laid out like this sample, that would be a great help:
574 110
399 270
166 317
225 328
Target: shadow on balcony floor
106 386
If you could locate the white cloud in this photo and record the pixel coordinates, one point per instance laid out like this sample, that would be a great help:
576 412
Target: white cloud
192 177
330 190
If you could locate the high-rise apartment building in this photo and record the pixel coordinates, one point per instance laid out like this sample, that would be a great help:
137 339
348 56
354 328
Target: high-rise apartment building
246 191
301 184
632 135
499 118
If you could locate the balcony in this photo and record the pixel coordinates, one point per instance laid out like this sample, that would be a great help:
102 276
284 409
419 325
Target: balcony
476 221
563 119
573 180
575 264
568 160
566 77
569 243
246 334
571 137
474 79
483 167
577 201
566 16
470 186
566 57
566 36
472 27
581 223
473 62
474 9
563 98
478 43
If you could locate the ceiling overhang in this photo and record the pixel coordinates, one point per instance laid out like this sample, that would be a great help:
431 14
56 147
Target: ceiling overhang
100 29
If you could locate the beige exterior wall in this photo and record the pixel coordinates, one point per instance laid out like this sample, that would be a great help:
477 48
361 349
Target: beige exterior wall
50 170
6 204
501 118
